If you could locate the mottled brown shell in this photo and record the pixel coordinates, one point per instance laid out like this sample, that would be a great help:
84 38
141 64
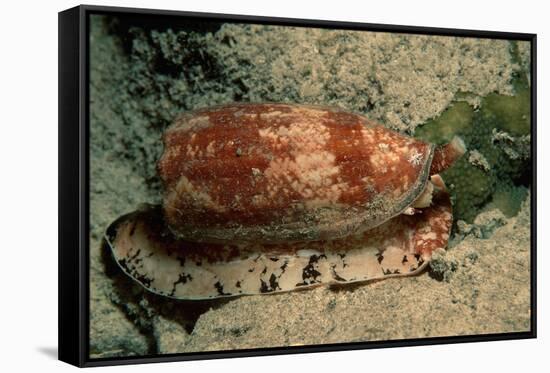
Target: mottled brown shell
278 173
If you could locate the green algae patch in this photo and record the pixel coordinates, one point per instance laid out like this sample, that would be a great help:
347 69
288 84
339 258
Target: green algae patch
508 199
512 113
470 187
496 136
456 120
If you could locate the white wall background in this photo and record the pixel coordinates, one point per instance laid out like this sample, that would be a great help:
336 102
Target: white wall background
28 183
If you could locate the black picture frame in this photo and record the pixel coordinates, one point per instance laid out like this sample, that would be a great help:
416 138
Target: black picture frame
74 188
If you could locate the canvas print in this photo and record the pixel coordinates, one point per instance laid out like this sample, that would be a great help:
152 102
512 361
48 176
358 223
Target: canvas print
258 186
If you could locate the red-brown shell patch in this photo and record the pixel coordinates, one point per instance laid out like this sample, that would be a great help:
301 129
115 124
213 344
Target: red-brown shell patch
277 165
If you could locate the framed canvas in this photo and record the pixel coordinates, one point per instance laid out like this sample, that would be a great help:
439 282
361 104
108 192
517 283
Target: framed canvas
234 186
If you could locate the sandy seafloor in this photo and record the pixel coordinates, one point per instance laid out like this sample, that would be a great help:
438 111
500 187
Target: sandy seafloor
141 78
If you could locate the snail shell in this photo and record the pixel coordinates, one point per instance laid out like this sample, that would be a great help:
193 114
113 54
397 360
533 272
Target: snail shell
276 173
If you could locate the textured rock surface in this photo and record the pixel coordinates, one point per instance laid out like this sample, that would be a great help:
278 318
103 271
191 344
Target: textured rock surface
138 84
111 332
